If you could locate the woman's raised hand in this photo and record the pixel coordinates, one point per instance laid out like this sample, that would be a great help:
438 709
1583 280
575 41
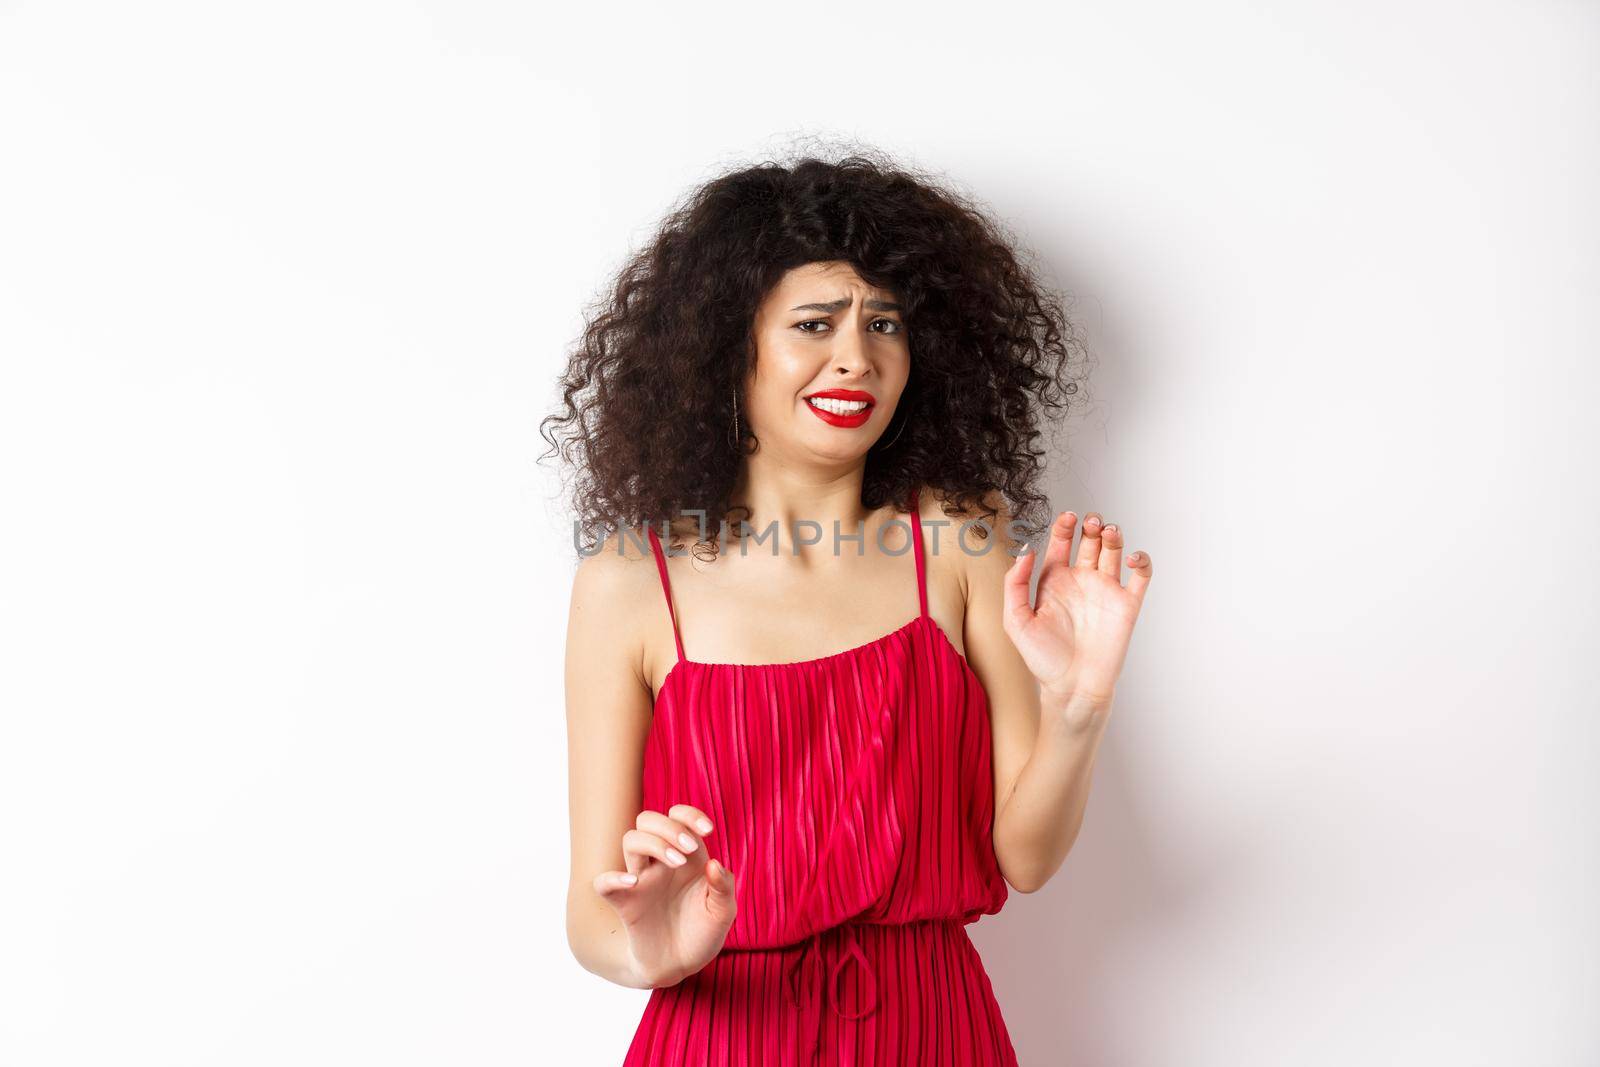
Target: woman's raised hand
676 904
1077 637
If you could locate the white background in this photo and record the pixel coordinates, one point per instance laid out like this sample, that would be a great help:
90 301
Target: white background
284 290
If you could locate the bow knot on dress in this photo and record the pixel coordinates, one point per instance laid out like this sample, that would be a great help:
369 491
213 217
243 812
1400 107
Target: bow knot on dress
813 980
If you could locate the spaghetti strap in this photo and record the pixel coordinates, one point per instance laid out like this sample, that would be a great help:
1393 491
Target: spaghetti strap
666 586
922 566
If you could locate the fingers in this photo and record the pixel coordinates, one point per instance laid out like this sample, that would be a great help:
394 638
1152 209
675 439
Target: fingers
612 884
1139 563
719 878
665 838
1059 548
691 816
1017 609
639 847
675 832
720 898
1089 545
1111 551
1101 549
1110 560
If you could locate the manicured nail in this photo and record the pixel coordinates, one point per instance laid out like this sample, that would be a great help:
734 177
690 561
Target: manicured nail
675 857
628 879
704 826
687 842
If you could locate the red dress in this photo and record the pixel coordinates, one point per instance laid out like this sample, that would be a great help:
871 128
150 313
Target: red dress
853 798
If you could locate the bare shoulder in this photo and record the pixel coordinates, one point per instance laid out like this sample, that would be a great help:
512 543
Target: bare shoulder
983 550
616 566
604 628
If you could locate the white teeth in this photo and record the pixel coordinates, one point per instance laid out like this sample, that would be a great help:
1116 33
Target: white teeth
838 407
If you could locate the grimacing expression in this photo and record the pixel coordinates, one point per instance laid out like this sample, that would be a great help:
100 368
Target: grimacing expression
823 329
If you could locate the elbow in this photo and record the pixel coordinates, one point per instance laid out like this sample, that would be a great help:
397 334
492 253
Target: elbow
1024 878
1030 876
582 942
1027 883
575 942
604 955
1028 867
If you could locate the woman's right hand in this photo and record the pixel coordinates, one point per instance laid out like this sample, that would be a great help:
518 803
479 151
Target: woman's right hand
679 904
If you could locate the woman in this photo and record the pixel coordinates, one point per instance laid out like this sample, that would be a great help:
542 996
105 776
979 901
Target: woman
787 800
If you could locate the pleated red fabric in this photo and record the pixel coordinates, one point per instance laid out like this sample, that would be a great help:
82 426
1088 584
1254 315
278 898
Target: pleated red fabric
853 797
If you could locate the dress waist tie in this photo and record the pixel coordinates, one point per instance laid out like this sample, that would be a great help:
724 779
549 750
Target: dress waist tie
811 981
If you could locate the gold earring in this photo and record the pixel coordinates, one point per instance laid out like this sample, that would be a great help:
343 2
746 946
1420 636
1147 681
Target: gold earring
897 434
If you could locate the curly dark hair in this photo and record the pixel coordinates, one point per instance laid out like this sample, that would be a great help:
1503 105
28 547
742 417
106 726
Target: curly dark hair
648 423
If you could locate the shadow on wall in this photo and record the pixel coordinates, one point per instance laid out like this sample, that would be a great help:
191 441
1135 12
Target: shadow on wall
1055 957
1058 959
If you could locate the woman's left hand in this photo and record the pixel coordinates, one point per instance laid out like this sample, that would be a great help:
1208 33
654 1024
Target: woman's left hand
1077 637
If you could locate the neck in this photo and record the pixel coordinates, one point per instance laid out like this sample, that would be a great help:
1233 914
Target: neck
786 496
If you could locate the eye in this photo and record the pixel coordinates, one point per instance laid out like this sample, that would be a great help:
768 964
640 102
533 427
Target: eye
898 327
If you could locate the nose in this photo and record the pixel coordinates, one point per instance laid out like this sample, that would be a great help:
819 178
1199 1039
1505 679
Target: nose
849 351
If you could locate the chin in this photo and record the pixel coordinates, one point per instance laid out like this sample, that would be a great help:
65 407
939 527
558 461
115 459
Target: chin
836 451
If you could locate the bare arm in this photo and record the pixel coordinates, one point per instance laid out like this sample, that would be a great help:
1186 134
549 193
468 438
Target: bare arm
646 905
1045 742
608 718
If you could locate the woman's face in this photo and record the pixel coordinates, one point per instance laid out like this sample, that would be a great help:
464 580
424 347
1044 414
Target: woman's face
823 328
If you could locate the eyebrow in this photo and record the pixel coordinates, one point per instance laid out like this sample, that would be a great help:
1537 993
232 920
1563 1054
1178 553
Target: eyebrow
843 302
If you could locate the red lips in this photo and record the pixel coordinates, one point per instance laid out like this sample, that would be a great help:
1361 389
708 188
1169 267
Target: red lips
844 421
